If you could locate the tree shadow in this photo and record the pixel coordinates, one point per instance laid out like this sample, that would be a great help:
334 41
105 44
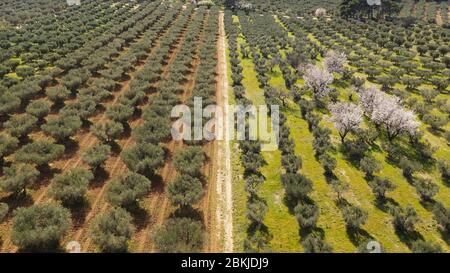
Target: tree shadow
188 212
386 204
358 236
15 201
100 176
408 238
79 210
71 147
49 247
116 149
140 216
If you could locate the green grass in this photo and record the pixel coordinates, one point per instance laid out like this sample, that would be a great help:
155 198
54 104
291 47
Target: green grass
282 224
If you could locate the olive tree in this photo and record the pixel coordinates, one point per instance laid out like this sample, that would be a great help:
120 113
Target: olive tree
256 210
296 185
62 127
354 216
143 158
369 165
179 235
307 215
111 231
20 125
70 187
7 145
8 103
314 243
126 190
185 190
96 156
421 246
153 131
108 131
404 219
426 188
40 152
38 108
57 94
119 112
442 216
189 160
380 186
3 211
18 177
39 227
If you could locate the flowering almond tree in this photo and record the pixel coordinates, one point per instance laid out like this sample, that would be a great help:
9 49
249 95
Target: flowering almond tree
335 62
317 80
387 110
346 117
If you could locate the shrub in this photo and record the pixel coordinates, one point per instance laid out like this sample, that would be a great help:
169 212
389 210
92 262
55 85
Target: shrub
96 156
39 227
70 187
126 190
18 177
143 158
185 190
112 230
179 235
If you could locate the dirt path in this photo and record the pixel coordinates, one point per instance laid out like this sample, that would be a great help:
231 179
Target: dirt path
439 16
224 212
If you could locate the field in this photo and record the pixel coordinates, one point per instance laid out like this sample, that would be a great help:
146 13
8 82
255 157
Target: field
88 97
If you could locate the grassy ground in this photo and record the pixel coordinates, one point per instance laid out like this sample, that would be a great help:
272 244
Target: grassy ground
282 223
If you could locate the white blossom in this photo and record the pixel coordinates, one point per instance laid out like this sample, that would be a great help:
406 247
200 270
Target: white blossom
383 109
335 62
320 12
317 80
346 117
401 121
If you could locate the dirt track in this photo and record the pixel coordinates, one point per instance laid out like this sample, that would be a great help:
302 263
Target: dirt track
224 210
